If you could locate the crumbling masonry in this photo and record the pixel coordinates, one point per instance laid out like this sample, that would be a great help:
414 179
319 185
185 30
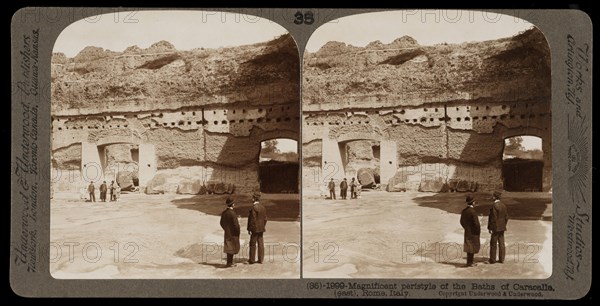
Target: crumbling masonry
435 116
177 121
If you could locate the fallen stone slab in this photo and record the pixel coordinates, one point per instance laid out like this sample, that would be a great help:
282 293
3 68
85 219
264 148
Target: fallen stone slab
156 184
189 187
365 177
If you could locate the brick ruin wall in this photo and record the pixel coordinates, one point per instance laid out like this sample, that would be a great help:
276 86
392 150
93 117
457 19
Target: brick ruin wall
445 110
192 116
203 144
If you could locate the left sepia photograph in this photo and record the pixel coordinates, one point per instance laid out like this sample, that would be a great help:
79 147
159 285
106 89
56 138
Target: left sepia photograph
175 147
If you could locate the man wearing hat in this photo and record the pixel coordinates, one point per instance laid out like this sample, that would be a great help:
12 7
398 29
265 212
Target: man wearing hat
257 221
331 187
496 226
92 190
103 190
470 223
344 189
231 226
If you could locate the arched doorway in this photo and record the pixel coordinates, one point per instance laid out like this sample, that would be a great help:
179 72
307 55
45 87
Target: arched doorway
120 162
278 166
361 159
523 164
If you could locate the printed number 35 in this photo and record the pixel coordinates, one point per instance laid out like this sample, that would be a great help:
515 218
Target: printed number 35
306 18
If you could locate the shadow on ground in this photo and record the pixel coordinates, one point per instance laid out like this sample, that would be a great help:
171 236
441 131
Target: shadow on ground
521 206
223 264
463 262
280 207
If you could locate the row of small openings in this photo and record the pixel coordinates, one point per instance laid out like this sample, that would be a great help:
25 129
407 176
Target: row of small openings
183 113
91 127
338 123
179 123
474 118
487 107
502 117
216 122
434 109
423 119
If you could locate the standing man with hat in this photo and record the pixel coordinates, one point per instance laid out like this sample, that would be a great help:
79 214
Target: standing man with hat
92 190
257 221
231 226
496 226
331 187
103 189
470 222
112 190
344 189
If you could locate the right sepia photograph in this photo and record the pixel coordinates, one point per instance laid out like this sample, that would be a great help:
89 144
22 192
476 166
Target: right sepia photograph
427 147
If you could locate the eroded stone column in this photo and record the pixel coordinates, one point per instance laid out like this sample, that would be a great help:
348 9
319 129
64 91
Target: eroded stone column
388 161
331 163
146 164
91 168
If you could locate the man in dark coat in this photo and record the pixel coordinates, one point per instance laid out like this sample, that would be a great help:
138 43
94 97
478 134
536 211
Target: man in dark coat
113 196
92 191
344 189
470 222
331 187
496 226
353 189
103 189
231 226
257 221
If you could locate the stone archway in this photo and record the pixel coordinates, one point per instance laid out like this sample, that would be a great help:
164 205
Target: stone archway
334 164
94 165
546 138
523 164
279 166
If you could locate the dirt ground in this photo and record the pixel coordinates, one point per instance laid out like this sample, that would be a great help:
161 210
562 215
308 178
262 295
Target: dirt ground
418 235
167 236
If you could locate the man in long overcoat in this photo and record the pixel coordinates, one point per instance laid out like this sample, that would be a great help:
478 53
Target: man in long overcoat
470 222
231 226
353 189
103 189
496 226
344 189
331 187
257 221
92 190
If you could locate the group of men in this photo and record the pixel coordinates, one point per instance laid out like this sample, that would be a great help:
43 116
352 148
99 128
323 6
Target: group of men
257 221
497 221
355 189
113 188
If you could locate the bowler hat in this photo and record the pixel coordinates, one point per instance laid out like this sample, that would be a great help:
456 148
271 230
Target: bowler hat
470 199
229 201
256 195
497 194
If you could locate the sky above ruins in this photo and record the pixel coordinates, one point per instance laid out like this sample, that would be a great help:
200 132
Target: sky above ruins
184 29
428 27
287 145
531 143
